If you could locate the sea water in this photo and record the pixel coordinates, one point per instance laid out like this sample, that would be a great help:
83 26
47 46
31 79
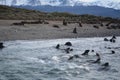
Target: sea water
40 60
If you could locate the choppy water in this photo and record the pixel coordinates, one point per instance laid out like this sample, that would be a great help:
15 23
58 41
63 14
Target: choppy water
39 60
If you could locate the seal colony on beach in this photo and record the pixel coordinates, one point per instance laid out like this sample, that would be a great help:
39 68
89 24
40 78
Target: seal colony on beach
48 29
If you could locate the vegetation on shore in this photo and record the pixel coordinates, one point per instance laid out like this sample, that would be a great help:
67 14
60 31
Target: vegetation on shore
12 13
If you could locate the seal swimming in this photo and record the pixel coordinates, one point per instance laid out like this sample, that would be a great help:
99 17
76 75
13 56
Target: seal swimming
1 45
98 58
86 52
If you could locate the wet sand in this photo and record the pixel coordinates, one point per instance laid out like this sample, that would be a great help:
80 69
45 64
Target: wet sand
47 31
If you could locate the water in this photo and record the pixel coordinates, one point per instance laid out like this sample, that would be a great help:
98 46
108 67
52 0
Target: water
40 60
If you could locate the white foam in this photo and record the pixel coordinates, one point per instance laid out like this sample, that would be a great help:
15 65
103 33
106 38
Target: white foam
55 58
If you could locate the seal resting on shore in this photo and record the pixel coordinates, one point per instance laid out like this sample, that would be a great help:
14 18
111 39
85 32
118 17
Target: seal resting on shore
19 24
75 30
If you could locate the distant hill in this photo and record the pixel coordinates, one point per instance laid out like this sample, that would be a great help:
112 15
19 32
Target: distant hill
18 13
12 13
92 10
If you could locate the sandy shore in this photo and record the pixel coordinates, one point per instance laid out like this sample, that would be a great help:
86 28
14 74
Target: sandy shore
47 31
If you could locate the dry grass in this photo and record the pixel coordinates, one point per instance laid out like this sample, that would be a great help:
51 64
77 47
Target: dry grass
11 13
